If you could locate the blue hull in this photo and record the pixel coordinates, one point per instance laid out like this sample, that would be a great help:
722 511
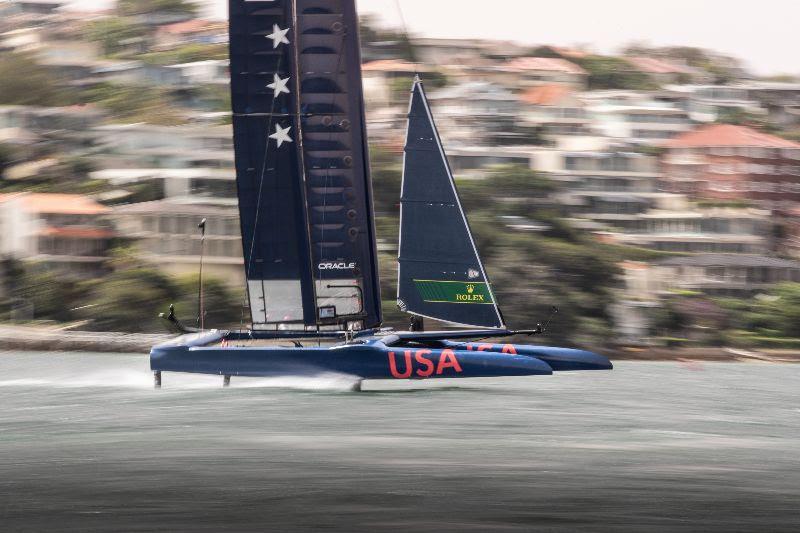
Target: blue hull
559 359
371 359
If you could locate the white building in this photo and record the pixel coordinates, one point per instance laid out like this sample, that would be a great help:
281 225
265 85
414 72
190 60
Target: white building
209 183
67 232
635 117
716 274
166 235
477 113
530 71
148 146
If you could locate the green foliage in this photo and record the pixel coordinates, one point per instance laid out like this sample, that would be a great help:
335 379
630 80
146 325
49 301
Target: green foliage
775 314
215 97
51 295
134 103
129 300
722 67
545 51
186 54
222 307
387 173
112 32
37 86
724 203
144 7
500 183
614 73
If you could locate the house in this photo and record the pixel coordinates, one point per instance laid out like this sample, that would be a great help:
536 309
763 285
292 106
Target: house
67 232
714 274
166 234
477 113
780 99
718 100
209 71
693 230
150 146
194 31
69 126
555 110
210 183
635 116
663 71
382 80
528 71
729 162
458 52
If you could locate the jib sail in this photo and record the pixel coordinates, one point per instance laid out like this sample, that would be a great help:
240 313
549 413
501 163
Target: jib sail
440 273
305 196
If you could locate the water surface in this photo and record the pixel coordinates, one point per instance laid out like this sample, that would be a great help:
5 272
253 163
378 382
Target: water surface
87 444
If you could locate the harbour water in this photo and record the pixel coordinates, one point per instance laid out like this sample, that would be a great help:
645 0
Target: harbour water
87 444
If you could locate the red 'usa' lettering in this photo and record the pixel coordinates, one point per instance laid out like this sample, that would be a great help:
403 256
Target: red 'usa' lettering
393 366
423 363
427 363
448 360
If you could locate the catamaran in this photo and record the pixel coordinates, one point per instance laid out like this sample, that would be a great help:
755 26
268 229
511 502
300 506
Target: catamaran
308 227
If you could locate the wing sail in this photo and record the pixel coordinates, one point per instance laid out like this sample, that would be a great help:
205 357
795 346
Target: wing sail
440 273
305 197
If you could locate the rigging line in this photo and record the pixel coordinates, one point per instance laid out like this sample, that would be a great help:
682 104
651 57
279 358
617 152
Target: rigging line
411 53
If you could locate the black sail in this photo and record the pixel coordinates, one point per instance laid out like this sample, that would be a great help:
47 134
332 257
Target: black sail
305 197
440 273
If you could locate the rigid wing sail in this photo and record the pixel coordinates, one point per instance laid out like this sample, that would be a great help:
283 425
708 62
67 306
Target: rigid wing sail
308 227
304 189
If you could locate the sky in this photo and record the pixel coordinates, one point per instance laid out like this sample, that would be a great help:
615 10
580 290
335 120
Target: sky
764 33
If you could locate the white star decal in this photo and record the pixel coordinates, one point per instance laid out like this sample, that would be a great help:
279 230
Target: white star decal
278 85
281 135
278 36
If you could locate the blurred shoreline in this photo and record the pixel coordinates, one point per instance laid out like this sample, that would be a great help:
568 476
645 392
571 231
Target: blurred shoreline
59 339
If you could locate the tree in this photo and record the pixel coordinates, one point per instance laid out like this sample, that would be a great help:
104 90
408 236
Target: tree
113 32
222 307
613 73
144 7
24 82
139 103
130 300
51 296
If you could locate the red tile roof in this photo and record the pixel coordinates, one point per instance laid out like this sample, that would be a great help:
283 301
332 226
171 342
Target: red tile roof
393 65
573 53
64 204
651 65
544 63
728 135
545 94
191 26
78 233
